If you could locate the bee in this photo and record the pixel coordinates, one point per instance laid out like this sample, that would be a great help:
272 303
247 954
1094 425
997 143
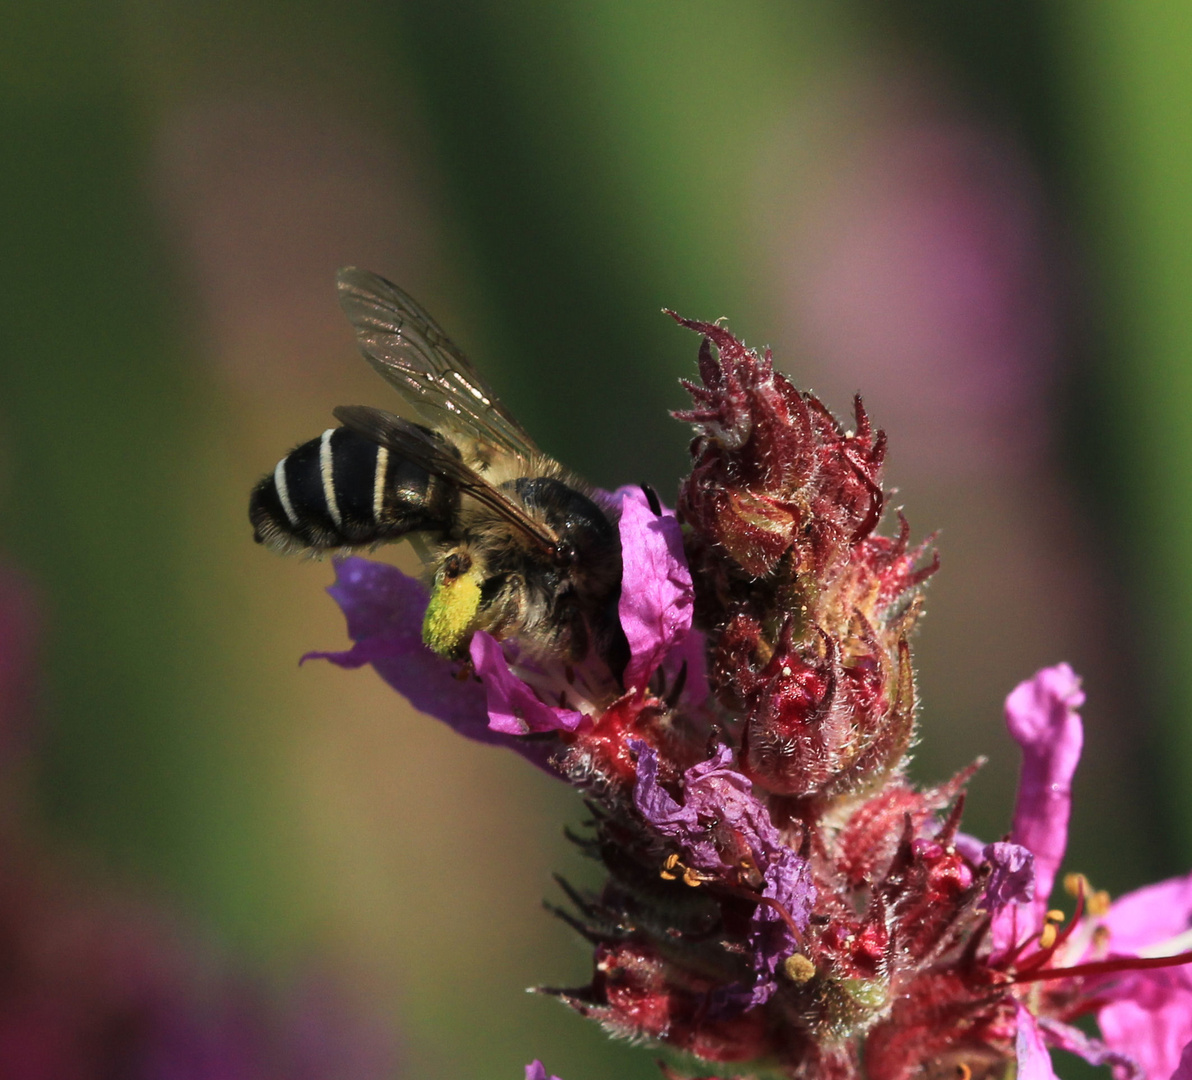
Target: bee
513 543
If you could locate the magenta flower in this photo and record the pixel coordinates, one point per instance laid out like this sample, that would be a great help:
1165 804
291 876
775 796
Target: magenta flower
515 692
537 1071
1099 962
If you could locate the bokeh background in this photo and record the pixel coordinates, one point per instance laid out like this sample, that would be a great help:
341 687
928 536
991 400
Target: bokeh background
978 214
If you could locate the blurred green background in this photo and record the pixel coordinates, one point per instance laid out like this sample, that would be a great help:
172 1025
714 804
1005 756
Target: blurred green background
978 214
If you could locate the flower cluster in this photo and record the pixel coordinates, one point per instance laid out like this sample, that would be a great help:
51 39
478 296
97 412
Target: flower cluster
780 899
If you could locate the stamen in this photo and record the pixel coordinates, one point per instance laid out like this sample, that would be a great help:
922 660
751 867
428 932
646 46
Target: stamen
1073 883
1106 967
1047 936
963 1072
798 968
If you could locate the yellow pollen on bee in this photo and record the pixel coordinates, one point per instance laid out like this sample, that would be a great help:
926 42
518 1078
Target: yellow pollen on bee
1048 936
798 968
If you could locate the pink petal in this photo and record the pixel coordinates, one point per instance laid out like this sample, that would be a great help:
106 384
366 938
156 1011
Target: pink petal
1150 916
1184 1069
1151 1020
656 592
537 1071
1042 718
513 708
1034 1063
384 608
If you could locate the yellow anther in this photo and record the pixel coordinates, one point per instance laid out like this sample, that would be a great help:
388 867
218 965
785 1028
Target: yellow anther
1048 936
666 875
1055 916
798 968
1098 903
1100 937
1075 884
669 867
963 1072
671 862
691 877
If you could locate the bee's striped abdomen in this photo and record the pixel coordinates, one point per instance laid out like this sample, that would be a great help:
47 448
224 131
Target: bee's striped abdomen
343 490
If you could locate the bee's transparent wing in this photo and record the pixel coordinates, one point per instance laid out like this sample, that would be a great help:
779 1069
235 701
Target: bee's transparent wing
410 350
425 448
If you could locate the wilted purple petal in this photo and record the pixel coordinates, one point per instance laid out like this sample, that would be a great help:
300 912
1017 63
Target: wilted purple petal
715 792
1034 1063
651 798
1094 1051
384 609
1013 877
1042 718
537 1071
656 591
788 880
513 708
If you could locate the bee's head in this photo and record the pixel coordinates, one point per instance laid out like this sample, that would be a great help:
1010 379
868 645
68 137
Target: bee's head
454 604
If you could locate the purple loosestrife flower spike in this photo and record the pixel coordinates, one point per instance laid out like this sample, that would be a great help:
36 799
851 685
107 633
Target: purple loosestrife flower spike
779 899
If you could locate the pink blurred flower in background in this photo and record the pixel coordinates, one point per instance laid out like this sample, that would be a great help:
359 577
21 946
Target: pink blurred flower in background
98 983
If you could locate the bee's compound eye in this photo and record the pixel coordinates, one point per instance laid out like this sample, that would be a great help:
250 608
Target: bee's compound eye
565 554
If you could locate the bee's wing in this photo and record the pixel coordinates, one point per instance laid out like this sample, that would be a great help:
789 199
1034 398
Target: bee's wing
410 350
425 448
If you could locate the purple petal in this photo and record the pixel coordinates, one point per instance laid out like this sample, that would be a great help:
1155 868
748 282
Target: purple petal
714 792
537 1071
1150 916
656 592
384 609
1013 877
1034 1063
513 708
1151 1019
1042 718
651 799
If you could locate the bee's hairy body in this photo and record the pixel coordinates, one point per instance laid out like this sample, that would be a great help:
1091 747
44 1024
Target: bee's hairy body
342 491
516 545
